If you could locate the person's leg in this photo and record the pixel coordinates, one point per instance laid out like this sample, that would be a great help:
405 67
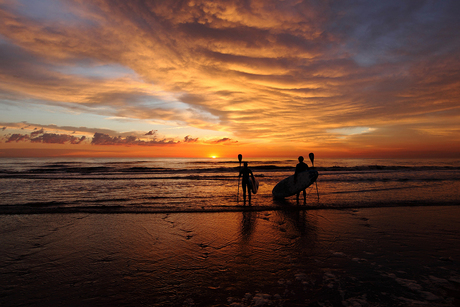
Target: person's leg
244 191
304 197
297 197
249 195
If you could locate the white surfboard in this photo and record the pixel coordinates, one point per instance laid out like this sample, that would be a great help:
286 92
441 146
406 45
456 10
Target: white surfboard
287 187
253 185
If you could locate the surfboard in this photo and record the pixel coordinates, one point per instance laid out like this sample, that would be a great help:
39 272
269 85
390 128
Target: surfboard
287 186
253 185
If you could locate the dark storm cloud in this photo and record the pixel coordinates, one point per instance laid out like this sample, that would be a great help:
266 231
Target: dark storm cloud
99 136
16 137
189 139
225 141
105 139
46 138
53 138
36 132
151 132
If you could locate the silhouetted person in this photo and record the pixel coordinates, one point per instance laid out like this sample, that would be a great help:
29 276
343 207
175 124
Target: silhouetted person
301 167
245 182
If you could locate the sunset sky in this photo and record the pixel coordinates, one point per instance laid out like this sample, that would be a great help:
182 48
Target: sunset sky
198 78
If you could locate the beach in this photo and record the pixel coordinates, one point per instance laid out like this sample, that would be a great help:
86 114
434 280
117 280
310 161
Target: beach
390 256
176 232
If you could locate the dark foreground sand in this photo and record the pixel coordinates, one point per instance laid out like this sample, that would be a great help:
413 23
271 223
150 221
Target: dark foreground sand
403 256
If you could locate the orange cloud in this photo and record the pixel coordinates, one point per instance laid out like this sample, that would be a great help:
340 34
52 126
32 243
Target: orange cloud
262 71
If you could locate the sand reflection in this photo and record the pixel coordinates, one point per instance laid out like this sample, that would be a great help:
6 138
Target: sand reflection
248 224
291 257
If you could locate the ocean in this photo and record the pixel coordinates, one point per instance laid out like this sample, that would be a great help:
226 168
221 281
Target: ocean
200 185
175 232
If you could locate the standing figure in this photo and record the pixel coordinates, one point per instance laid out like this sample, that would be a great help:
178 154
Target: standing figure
245 182
301 167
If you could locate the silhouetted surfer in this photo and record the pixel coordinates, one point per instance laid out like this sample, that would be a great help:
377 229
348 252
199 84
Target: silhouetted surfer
301 167
245 172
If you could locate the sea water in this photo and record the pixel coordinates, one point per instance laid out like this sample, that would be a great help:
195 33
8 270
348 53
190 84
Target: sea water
392 242
189 185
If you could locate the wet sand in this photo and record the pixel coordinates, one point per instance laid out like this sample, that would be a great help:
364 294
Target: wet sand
400 256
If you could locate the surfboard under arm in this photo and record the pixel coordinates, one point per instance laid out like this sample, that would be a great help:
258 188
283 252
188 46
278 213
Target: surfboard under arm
288 186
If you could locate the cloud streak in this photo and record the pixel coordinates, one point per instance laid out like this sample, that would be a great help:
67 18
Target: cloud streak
45 138
105 137
290 71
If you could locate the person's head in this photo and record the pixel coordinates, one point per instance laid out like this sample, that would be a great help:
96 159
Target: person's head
300 159
245 164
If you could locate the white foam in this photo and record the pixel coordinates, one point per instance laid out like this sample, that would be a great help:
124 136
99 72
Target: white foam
441 282
261 300
414 286
359 260
413 302
356 301
455 279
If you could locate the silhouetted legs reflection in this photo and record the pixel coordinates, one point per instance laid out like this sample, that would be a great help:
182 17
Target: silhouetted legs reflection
247 225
